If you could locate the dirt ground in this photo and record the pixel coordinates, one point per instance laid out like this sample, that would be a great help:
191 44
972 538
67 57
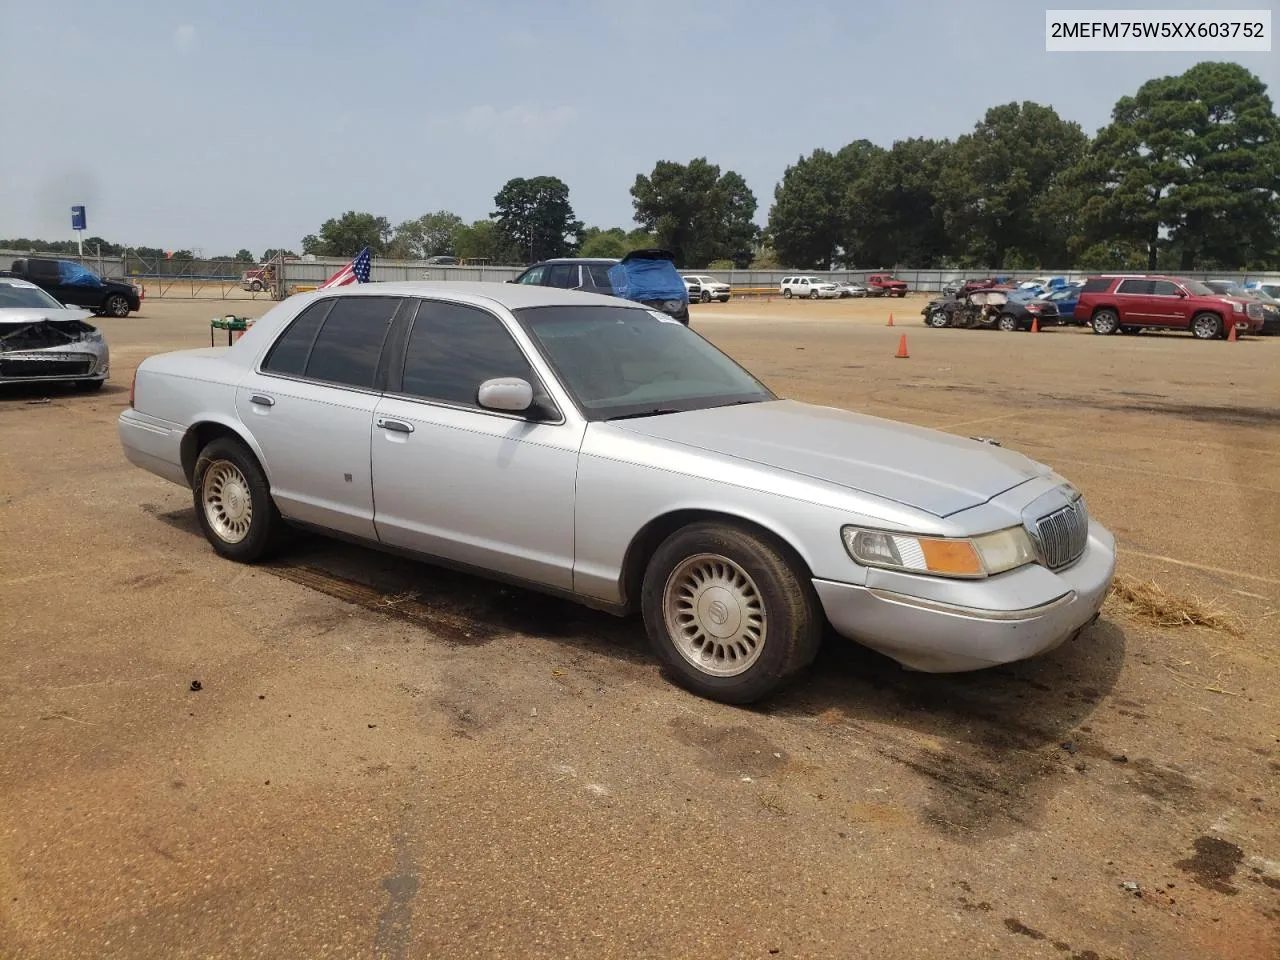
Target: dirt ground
386 760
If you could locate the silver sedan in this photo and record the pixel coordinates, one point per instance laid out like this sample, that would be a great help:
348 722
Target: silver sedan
593 448
43 341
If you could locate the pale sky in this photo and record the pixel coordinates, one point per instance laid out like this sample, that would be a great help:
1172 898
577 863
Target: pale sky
217 126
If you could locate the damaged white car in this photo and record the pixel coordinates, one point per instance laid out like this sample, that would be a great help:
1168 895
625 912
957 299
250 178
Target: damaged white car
41 340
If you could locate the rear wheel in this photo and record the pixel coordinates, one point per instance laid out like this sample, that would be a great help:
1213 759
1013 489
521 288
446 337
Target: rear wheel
233 502
1105 322
728 613
1008 322
786 294
1206 326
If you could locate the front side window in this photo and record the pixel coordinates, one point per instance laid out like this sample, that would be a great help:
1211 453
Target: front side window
623 361
534 275
453 348
1198 289
1163 288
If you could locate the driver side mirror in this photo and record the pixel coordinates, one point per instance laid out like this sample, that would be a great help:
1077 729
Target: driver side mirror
509 394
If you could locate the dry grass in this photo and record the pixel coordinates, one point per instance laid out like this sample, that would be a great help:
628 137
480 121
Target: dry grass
1147 601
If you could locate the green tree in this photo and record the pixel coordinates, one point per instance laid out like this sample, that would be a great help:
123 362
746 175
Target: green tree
696 212
272 252
430 235
1191 162
807 221
483 240
347 235
996 190
534 217
892 209
244 256
614 242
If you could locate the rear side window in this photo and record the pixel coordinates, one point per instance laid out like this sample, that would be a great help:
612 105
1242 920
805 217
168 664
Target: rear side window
1096 285
1135 286
350 341
600 275
453 349
289 355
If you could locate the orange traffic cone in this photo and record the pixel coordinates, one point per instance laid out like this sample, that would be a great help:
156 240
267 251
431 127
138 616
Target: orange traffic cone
902 349
1035 324
890 323
1232 337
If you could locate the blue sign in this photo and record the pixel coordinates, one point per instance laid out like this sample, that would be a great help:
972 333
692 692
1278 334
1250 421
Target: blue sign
77 218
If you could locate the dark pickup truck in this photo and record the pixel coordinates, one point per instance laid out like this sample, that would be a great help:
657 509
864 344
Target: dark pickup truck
74 285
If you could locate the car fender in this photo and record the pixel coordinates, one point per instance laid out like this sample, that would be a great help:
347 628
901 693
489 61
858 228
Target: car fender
213 421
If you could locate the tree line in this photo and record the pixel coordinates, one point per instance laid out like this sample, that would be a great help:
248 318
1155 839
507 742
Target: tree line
1186 175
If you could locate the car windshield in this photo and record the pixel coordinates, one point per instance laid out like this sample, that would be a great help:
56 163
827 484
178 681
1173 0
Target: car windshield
12 296
620 361
1199 289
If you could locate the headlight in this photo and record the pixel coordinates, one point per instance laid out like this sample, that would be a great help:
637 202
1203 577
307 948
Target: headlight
971 557
1237 307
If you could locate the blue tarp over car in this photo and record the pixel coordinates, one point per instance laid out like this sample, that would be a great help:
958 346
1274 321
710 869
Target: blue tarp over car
647 278
74 275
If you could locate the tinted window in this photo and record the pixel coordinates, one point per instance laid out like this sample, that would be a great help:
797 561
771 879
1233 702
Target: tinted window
564 275
533 276
45 271
289 355
1098 285
455 348
600 275
1135 286
620 361
350 341
1164 288
15 296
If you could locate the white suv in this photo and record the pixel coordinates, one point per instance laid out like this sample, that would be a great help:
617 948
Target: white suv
712 289
811 287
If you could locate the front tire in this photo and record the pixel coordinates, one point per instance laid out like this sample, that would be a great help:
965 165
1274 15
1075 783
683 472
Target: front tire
1206 326
730 616
706 296
116 306
255 286
233 502
938 318
1105 322
813 294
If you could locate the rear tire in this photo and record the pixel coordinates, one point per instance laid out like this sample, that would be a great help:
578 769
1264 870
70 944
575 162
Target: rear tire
1206 326
1105 322
729 614
1007 322
233 502
786 294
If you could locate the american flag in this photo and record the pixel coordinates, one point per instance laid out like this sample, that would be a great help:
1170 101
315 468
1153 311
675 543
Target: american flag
357 271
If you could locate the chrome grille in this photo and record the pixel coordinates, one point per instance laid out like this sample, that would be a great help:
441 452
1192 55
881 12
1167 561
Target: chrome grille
1063 534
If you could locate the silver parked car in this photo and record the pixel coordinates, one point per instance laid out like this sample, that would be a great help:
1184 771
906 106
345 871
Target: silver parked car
41 340
597 449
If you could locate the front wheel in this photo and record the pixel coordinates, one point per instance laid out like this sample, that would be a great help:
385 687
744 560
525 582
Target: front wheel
233 502
1206 326
706 296
728 613
813 294
255 286
116 306
938 318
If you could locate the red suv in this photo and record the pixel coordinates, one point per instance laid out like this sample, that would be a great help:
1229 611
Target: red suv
1128 304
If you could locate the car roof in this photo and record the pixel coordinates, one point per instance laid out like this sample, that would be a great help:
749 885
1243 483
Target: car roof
607 260
513 296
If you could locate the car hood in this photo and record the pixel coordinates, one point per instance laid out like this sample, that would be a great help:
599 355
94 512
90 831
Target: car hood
16 315
940 473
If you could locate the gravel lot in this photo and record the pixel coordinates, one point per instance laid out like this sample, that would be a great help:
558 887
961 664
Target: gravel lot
386 760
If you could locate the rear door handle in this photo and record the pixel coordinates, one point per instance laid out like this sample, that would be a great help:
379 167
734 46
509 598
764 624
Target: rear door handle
262 400
395 426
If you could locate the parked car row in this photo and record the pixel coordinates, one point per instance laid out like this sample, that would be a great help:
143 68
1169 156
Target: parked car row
1110 304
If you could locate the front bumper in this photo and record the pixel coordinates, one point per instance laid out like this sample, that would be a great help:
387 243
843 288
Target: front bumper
1040 611
75 361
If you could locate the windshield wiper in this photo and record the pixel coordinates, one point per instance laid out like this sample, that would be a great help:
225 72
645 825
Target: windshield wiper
656 411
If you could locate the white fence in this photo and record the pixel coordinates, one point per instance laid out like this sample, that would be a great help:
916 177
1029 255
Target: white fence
188 280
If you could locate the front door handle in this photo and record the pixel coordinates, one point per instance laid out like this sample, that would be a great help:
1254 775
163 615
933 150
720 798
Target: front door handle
262 400
395 426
